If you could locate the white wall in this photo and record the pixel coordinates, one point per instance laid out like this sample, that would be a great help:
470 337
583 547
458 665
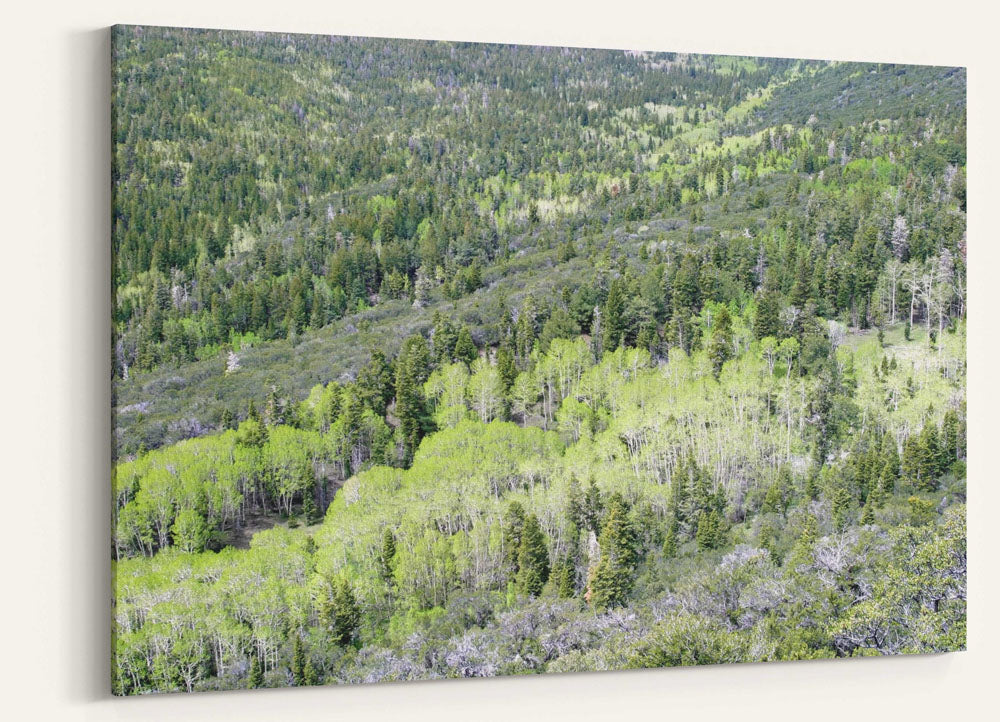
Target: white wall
54 644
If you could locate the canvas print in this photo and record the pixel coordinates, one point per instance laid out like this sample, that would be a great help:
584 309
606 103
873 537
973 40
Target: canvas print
440 359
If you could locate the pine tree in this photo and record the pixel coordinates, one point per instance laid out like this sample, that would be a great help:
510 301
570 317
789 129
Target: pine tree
298 661
387 556
532 558
720 346
670 540
310 675
575 509
344 615
842 502
444 338
614 576
613 318
766 318
709 534
565 576
412 369
506 368
465 348
256 677
773 503
592 507
513 530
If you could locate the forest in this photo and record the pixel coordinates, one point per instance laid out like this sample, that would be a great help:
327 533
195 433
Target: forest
446 360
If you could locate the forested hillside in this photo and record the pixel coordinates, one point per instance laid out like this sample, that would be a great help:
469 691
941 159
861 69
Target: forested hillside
438 359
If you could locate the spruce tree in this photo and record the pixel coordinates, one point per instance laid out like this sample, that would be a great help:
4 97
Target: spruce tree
298 661
465 348
412 370
766 317
670 540
575 506
256 677
615 324
532 558
842 503
614 576
720 346
565 576
709 533
387 556
345 613
506 368
773 503
950 438
513 529
592 507
310 675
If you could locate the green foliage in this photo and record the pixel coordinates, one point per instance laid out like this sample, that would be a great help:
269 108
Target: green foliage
532 558
612 580
406 336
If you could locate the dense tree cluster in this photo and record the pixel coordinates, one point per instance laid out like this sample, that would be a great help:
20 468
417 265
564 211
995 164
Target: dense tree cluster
440 359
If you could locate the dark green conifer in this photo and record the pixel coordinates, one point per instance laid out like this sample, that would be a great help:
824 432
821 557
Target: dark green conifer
256 676
532 558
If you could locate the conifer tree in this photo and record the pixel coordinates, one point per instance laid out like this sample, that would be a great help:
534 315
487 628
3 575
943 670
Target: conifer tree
670 540
256 676
615 324
310 675
575 507
565 576
773 503
298 660
412 369
444 337
709 534
341 614
387 556
842 503
506 368
512 532
868 513
720 345
614 576
593 507
532 558
465 348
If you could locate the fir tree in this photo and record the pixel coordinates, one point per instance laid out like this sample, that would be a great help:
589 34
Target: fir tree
720 345
532 558
256 677
412 369
709 534
670 540
310 675
842 503
766 318
614 576
506 368
342 615
513 530
387 556
465 348
593 507
298 661
565 576
773 503
615 324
